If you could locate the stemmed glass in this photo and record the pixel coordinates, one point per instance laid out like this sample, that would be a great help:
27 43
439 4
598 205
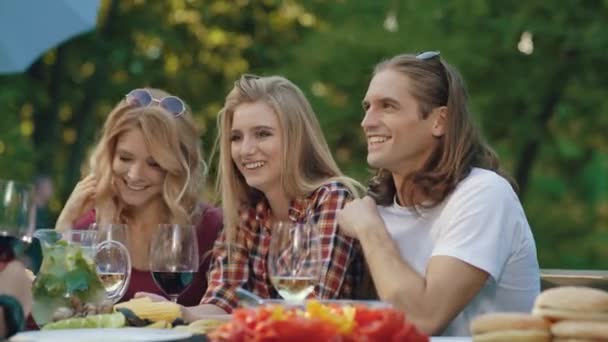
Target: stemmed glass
174 258
294 259
112 259
16 216
85 239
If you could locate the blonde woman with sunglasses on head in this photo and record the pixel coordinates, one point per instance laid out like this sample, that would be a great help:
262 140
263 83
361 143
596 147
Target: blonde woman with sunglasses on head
147 169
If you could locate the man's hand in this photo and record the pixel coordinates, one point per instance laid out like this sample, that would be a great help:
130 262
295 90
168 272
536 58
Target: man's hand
81 201
357 215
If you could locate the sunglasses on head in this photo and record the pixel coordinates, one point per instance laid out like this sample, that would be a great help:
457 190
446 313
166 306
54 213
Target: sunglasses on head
428 55
249 77
144 98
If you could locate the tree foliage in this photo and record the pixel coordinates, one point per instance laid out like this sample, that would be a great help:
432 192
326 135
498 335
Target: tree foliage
533 71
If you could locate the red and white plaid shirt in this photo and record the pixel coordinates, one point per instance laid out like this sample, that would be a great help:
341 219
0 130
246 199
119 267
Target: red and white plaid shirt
341 260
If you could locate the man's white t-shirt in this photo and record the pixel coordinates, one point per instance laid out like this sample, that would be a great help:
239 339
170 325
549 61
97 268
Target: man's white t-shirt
483 224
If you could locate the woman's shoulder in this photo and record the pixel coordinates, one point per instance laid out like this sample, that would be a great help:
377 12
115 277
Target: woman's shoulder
207 208
333 185
210 215
209 225
85 221
331 189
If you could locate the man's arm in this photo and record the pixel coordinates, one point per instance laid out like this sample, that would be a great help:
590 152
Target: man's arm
430 301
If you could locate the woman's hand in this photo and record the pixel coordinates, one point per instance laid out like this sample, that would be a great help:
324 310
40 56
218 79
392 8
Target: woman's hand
359 214
80 202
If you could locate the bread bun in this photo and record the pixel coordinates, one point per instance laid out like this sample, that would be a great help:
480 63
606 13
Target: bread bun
580 330
516 327
573 303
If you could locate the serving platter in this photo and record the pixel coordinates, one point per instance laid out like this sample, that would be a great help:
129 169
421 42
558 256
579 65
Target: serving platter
99 335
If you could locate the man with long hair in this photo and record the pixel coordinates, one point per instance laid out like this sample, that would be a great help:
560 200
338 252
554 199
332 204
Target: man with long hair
443 232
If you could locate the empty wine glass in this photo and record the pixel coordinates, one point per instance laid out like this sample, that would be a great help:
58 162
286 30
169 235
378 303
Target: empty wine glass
174 258
112 259
294 259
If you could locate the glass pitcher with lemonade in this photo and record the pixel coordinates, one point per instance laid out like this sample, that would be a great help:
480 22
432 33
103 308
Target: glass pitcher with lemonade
68 283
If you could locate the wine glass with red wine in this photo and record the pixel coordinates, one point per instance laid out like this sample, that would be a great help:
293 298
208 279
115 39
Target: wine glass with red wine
16 217
174 258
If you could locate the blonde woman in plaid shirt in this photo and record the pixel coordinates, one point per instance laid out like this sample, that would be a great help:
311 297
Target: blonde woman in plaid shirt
274 165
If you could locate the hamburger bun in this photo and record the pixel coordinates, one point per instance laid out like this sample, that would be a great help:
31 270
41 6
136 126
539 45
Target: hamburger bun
580 331
504 327
572 303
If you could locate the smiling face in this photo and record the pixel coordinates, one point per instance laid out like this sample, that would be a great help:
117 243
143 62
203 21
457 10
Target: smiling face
255 145
398 139
137 176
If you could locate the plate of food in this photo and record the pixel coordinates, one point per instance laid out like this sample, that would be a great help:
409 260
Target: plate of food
318 321
98 335
336 302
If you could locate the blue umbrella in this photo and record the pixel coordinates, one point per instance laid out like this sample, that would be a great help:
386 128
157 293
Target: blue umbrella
28 28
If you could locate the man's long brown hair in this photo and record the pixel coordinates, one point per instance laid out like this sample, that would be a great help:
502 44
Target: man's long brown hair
435 83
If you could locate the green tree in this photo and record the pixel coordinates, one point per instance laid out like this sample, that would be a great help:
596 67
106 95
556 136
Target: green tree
533 72
195 49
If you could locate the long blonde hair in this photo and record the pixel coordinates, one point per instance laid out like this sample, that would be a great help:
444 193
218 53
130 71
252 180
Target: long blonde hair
174 144
307 163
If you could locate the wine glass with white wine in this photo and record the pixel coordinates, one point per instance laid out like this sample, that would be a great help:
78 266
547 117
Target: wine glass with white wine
294 259
112 259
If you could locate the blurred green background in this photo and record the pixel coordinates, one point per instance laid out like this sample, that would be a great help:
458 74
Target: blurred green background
533 71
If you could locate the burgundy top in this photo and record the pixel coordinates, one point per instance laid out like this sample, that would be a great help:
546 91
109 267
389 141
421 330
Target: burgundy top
207 231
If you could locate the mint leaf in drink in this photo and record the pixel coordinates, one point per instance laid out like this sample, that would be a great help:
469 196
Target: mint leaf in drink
76 280
67 278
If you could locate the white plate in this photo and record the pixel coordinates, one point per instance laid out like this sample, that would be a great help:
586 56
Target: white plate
451 339
98 335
